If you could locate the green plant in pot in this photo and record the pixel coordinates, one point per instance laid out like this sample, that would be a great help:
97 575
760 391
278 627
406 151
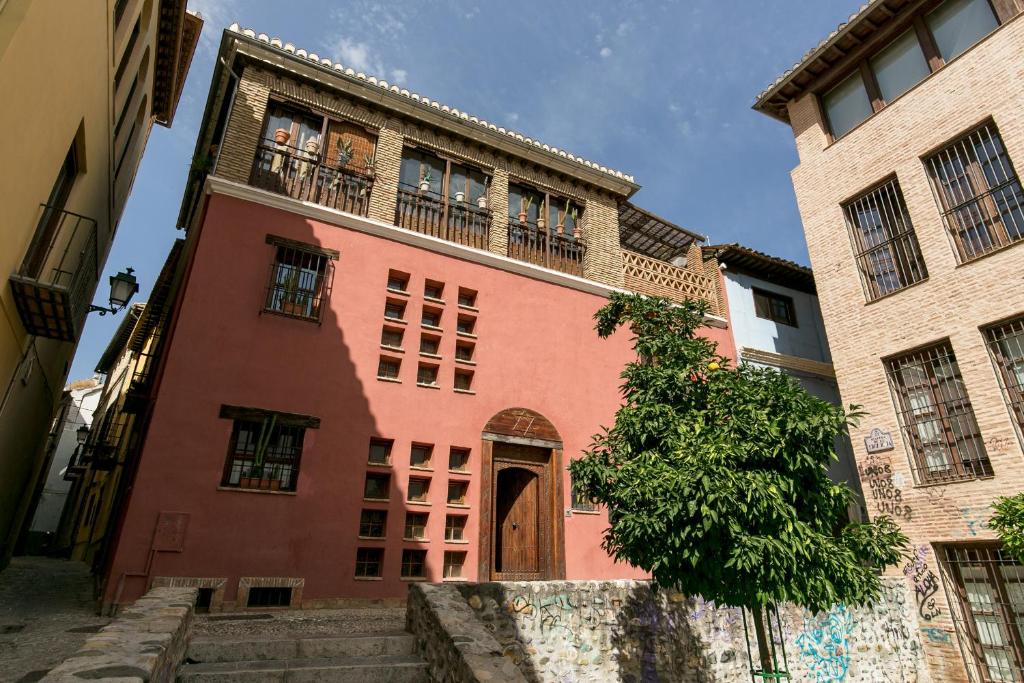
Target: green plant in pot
257 469
294 300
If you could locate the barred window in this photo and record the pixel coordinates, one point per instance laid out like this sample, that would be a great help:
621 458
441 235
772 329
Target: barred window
988 610
369 562
936 416
264 454
1006 345
978 192
299 282
887 252
372 523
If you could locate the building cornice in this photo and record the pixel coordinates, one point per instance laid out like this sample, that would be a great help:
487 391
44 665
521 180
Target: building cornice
228 188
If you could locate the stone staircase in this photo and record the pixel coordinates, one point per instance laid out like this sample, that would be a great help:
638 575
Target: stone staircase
362 658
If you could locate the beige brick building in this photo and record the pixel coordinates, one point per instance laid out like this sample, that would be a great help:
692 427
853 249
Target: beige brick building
909 123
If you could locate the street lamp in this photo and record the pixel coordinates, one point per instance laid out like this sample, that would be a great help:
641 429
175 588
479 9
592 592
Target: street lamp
82 433
122 287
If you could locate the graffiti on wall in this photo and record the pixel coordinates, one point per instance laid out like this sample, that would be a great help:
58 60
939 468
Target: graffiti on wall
925 582
824 644
886 488
976 519
937 635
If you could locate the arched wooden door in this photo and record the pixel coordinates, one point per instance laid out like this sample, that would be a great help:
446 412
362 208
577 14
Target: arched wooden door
517 528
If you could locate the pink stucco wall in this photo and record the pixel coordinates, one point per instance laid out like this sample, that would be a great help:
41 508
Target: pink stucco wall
536 349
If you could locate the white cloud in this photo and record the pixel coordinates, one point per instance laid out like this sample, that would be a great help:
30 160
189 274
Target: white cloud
217 15
359 56
606 52
512 117
399 76
623 28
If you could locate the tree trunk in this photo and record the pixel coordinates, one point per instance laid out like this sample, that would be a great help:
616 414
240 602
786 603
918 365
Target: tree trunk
762 641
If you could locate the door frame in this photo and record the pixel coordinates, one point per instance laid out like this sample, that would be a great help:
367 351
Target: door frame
552 538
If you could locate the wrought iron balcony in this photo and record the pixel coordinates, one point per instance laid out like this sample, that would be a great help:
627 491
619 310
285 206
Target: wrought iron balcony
304 176
58 277
428 213
542 247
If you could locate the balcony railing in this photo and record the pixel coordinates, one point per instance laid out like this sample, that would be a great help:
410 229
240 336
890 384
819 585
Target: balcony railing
304 176
427 213
58 277
646 275
527 242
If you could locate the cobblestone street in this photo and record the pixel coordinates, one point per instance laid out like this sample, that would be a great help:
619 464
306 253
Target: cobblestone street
46 613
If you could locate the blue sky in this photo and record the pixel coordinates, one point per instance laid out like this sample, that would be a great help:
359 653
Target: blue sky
660 89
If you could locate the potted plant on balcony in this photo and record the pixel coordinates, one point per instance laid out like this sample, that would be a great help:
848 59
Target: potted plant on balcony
281 136
251 478
460 197
293 301
524 208
425 182
254 476
344 152
481 200
567 213
370 164
274 478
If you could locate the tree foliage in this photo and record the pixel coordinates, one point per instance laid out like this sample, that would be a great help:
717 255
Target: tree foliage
715 478
1008 523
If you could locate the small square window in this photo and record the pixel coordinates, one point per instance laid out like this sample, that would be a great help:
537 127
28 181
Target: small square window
388 368
453 563
420 455
377 486
427 375
773 306
430 345
369 562
458 459
394 310
464 351
418 490
467 297
415 526
455 528
372 523
433 290
580 502
397 281
391 338
380 451
414 564
466 325
431 317
457 492
463 380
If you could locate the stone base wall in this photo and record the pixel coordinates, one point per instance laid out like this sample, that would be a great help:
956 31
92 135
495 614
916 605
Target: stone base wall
628 631
146 642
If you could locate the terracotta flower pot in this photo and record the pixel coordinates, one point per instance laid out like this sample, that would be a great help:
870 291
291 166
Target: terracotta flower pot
275 484
281 136
522 216
541 224
560 228
264 484
245 483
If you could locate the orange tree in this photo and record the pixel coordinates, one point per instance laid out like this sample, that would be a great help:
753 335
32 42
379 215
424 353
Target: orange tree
715 478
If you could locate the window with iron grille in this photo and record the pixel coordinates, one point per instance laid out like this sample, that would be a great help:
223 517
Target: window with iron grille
372 523
369 562
414 563
1006 346
263 454
415 526
455 527
988 610
888 256
936 416
453 563
775 307
299 280
978 192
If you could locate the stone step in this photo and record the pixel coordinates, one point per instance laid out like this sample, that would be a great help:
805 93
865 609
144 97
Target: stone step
381 669
213 650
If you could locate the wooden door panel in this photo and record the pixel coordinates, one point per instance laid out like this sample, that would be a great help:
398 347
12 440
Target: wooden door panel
518 521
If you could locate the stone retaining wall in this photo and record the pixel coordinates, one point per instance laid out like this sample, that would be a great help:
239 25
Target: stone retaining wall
146 642
569 631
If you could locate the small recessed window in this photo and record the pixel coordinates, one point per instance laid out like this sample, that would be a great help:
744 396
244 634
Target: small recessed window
394 310
466 325
426 375
458 459
415 526
419 488
388 368
414 563
433 289
420 455
398 282
377 486
431 317
430 344
391 338
846 105
380 451
580 502
369 562
775 307
958 24
463 380
457 491
372 523
269 596
453 563
464 351
455 528
467 297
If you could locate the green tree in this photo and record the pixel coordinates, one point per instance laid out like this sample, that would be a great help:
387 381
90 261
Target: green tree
1008 523
715 479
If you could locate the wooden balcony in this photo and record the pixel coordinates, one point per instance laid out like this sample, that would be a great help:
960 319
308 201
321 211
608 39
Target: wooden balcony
427 213
527 242
650 276
58 277
303 176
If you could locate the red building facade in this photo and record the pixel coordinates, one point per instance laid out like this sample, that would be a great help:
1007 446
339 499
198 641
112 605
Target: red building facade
372 376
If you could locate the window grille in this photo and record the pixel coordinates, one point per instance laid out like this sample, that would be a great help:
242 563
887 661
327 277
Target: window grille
988 610
454 528
299 282
372 523
887 253
1006 345
369 562
263 451
415 525
978 192
414 563
936 416
453 563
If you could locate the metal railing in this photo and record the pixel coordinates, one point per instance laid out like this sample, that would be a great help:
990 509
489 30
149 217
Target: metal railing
57 279
428 213
304 176
529 243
